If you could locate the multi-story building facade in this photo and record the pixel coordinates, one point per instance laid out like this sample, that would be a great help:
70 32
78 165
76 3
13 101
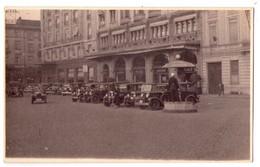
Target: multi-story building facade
133 45
67 35
225 49
22 45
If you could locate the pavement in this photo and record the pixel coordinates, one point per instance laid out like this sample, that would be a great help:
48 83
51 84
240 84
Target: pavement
220 130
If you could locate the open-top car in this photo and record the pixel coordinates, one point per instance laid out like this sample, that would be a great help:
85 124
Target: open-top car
39 96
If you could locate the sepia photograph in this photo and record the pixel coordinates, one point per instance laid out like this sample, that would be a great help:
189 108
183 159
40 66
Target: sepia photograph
128 84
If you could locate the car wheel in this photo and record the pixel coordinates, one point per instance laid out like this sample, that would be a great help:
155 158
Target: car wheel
154 104
74 100
191 99
32 101
94 99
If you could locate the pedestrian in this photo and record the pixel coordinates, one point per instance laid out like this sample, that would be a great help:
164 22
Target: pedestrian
221 89
173 86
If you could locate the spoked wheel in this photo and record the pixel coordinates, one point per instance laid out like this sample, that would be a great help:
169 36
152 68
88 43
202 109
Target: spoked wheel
154 105
94 99
191 99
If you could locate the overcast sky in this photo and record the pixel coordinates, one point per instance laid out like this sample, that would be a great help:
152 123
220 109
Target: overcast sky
30 14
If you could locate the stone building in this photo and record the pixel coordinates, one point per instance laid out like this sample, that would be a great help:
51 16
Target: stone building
22 56
225 49
133 45
67 35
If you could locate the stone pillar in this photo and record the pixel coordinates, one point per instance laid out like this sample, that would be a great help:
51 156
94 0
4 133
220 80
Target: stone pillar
75 74
148 68
111 65
128 68
66 75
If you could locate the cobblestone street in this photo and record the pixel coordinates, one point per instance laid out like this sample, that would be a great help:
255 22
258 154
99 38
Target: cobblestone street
220 130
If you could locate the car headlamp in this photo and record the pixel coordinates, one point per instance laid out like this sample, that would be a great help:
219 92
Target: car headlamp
147 95
142 94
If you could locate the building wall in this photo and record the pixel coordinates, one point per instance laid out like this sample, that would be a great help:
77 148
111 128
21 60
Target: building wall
223 50
22 45
67 40
110 52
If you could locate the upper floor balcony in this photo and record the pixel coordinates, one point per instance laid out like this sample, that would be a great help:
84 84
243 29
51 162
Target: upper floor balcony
150 33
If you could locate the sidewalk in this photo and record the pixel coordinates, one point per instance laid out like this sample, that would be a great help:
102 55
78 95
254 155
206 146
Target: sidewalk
243 96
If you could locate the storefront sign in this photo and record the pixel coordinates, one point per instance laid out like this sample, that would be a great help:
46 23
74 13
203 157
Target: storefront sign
160 70
146 88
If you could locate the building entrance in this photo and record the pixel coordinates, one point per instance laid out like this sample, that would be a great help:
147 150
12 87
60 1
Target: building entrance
214 77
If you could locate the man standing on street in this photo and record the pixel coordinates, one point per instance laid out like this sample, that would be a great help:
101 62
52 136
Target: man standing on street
173 86
221 89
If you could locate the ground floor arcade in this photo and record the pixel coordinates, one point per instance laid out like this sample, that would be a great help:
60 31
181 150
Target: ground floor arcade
142 67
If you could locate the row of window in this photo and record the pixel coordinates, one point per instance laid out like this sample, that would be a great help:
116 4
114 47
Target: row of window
18 58
18 46
123 15
233 31
60 53
17 34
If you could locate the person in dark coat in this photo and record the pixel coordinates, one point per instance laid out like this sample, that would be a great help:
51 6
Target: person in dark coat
173 86
221 89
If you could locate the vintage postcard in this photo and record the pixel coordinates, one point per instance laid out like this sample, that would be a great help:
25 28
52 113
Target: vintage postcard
128 84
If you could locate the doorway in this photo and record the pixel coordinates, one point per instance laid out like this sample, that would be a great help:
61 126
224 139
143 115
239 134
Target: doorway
214 77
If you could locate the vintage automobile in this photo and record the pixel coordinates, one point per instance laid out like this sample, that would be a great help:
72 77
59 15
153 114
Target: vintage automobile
66 91
39 96
110 95
97 94
154 99
79 95
14 92
133 93
89 87
151 96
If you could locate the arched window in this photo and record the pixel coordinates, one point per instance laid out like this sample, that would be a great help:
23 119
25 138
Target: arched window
120 70
105 72
139 69
160 75
189 57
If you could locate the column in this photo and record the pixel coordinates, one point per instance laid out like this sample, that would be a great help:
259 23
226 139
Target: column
128 69
148 69
75 74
